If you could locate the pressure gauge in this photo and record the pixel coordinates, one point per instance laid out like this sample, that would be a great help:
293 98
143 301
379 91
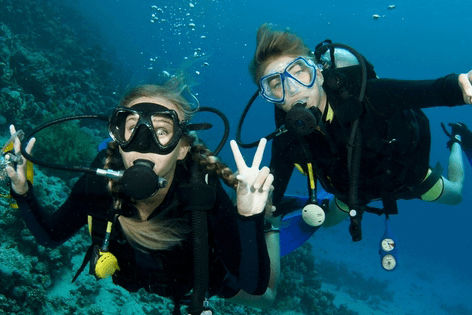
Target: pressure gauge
389 262
388 244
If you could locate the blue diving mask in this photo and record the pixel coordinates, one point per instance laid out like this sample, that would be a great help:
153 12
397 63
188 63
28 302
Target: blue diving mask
300 72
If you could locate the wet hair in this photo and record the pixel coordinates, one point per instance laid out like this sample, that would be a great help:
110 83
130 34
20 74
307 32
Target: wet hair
165 229
272 44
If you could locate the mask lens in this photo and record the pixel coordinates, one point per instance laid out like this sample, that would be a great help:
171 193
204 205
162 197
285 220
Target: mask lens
122 125
130 123
292 86
272 87
301 72
164 128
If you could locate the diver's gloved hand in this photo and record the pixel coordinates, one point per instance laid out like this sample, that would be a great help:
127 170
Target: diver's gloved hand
465 83
18 176
460 134
254 183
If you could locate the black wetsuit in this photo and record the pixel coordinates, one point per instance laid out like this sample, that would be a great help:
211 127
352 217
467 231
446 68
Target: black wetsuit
238 253
395 136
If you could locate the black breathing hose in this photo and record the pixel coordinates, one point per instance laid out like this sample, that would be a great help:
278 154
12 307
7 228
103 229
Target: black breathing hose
200 261
226 123
89 170
37 161
355 229
240 126
355 153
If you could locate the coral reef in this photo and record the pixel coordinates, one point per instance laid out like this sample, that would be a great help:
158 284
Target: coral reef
300 287
46 64
27 270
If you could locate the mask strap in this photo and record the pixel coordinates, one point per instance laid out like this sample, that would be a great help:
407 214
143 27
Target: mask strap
197 104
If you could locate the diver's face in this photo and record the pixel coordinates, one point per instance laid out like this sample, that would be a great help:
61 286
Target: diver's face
164 165
313 96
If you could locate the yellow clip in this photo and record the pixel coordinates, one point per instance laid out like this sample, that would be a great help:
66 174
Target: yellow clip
330 114
311 176
29 172
8 147
13 205
310 173
90 220
106 265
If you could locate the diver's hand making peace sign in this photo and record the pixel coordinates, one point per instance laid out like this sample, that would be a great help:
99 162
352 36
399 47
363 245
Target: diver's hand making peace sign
18 176
254 184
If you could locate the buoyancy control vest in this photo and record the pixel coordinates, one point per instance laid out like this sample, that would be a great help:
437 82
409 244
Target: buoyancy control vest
177 267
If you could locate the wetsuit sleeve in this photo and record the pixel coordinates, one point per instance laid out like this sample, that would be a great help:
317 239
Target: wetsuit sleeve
240 245
53 229
254 269
387 95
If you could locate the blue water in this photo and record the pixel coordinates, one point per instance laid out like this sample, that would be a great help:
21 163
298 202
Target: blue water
416 40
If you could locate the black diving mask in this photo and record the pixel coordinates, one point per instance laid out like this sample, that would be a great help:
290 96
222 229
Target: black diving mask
152 127
302 120
146 128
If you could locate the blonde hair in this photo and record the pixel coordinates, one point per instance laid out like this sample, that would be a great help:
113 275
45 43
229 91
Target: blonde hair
271 44
168 228
172 90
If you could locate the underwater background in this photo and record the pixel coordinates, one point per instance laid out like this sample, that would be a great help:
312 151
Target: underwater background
65 57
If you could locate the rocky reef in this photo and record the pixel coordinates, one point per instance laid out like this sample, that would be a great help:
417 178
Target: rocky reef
300 289
48 65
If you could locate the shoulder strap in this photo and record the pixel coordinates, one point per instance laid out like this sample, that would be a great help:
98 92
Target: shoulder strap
199 198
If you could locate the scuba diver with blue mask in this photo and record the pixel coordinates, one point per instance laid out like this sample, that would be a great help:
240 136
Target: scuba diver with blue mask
363 138
157 213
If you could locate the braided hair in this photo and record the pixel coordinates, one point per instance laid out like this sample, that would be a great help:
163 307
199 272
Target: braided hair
204 156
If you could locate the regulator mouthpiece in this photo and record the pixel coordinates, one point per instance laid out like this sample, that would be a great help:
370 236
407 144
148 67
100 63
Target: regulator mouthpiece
140 182
301 120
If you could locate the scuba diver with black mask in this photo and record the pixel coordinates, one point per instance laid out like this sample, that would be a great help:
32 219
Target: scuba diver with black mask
160 219
363 138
